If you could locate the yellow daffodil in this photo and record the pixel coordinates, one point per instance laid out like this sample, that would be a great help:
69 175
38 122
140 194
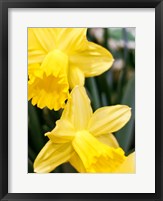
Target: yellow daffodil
58 60
85 138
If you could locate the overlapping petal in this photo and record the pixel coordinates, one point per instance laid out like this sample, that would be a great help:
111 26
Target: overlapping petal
108 139
62 133
128 166
36 57
78 110
40 42
71 40
77 163
93 60
109 119
33 71
41 39
75 77
51 156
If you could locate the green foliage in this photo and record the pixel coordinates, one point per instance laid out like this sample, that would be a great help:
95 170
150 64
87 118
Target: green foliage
126 136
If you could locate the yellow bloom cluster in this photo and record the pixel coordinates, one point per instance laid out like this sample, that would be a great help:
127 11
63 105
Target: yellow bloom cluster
59 59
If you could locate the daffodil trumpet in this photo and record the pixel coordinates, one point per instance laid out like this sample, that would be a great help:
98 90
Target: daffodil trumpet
85 139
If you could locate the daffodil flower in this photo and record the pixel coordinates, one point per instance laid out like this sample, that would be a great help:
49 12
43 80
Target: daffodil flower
58 60
85 139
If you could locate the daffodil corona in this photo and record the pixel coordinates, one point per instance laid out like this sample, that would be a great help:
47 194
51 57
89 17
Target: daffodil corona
85 139
58 60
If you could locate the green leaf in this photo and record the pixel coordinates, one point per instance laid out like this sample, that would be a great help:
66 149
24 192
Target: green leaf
93 89
50 117
31 153
35 134
30 166
67 168
126 136
105 89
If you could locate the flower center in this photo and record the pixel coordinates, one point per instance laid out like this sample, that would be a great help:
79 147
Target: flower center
49 86
96 156
55 62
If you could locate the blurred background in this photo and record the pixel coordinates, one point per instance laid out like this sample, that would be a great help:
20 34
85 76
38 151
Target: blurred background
116 86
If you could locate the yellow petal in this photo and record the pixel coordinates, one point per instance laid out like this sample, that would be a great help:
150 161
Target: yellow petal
77 163
78 109
93 60
109 119
55 62
33 68
44 94
96 156
51 156
71 40
128 166
34 71
109 140
40 42
41 39
76 77
63 132
50 86
35 57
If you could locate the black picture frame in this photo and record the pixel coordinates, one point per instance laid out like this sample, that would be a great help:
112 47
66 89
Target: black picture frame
4 5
